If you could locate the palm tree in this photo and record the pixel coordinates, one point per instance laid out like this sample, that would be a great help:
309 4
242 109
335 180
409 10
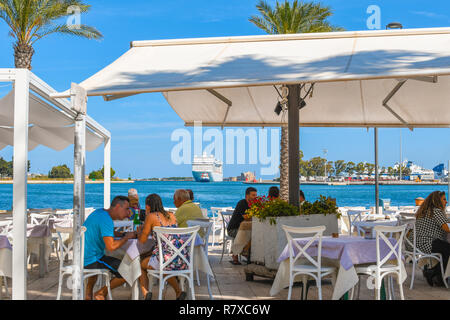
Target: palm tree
31 20
303 17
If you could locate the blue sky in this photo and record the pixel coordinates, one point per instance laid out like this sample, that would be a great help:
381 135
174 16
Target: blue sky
141 125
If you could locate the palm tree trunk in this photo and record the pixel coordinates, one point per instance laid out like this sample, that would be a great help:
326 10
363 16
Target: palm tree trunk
284 164
23 53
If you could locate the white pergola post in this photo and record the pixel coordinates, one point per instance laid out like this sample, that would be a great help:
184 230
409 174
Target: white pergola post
107 174
78 101
21 109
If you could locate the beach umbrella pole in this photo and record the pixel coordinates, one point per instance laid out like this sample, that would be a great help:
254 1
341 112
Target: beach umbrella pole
78 101
294 144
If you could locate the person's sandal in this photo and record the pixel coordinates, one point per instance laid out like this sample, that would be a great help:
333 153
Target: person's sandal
182 296
235 263
148 296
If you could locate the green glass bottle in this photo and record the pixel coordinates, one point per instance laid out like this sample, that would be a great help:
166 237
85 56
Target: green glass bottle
136 220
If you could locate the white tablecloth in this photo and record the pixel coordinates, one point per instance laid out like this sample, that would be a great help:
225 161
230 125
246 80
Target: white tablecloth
5 257
38 235
344 253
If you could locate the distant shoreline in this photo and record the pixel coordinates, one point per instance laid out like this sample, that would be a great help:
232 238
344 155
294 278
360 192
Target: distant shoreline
357 183
65 181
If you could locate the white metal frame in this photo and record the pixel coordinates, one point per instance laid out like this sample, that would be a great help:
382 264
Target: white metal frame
25 81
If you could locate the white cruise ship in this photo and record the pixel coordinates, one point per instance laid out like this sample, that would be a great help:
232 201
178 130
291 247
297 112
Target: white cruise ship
207 169
419 172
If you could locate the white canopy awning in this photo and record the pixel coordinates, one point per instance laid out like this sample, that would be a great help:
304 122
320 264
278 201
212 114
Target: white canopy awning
50 127
353 73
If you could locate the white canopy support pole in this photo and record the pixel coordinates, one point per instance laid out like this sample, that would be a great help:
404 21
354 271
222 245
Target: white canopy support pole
377 186
21 109
107 174
78 101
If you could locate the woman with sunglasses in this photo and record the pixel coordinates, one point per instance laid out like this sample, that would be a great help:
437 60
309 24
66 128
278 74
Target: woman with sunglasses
432 227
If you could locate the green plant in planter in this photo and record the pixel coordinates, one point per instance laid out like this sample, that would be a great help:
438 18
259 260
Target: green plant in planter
263 208
272 208
322 206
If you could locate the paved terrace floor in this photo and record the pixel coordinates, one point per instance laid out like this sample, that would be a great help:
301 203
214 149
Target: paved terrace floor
230 285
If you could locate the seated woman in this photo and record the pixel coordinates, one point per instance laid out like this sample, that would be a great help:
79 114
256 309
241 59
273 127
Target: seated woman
156 216
432 228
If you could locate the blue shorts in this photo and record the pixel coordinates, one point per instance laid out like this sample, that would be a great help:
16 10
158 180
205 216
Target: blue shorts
106 262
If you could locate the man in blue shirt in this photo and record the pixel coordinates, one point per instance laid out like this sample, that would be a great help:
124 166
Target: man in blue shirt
100 236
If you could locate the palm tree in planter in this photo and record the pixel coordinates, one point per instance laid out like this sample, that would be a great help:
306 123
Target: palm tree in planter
31 20
303 17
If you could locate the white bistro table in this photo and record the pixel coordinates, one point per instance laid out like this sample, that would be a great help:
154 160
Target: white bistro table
345 253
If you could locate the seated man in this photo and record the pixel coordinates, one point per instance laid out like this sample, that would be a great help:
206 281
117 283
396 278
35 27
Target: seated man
191 194
239 216
186 209
135 207
100 235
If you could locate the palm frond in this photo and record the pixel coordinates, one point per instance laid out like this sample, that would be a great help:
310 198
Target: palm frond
30 20
80 31
295 17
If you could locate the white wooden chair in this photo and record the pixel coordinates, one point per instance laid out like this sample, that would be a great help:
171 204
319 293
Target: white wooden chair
164 235
354 216
415 254
206 227
39 218
226 217
68 269
6 228
382 268
217 224
296 251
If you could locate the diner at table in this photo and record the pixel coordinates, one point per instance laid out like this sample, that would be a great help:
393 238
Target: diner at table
237 218
186 209
432 228
158 217
135 207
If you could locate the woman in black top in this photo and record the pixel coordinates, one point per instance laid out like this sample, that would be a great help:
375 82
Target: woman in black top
432 229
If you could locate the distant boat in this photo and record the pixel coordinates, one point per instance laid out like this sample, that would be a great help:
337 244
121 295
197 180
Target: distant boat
206 168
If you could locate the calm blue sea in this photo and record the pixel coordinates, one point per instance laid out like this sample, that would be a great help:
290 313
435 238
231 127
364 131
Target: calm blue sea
209 194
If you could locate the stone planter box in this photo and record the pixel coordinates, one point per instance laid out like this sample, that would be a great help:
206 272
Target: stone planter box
268 241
